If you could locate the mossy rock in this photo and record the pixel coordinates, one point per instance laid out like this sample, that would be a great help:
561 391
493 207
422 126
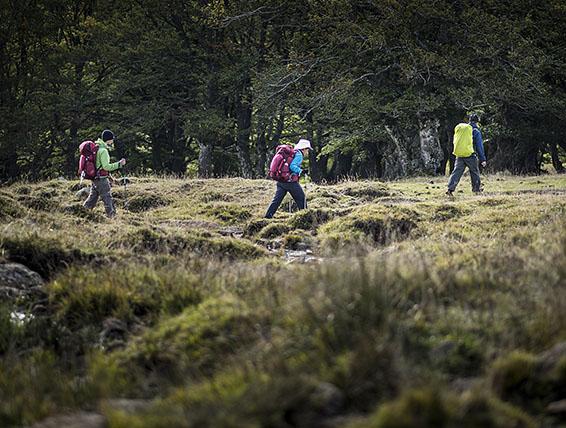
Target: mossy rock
373 224
197 341
274 230
145 202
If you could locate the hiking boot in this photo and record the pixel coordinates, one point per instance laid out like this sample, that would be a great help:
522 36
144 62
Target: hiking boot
450 194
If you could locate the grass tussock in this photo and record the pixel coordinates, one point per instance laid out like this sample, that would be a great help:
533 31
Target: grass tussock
466 295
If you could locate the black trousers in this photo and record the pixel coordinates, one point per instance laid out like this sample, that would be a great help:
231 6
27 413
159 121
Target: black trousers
296 191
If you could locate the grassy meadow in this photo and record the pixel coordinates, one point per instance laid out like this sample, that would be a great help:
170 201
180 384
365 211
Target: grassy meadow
384 304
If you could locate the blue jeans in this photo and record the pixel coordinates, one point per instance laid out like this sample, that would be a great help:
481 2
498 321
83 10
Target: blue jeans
472 163
296 191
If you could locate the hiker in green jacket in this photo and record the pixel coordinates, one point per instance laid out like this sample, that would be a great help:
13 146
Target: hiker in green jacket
100 184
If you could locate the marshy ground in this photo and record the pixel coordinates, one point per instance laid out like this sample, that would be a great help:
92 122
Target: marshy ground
384 304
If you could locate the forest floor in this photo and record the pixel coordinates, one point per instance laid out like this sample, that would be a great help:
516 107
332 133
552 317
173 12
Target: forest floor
384 304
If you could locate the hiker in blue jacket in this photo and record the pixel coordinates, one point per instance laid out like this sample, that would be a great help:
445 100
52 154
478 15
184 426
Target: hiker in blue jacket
468 148
292 186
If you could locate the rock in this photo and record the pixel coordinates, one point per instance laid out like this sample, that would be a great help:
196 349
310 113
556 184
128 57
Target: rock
127 405
440 351
17 280
557 407
234 232
552 357
328 399
75 420
114 334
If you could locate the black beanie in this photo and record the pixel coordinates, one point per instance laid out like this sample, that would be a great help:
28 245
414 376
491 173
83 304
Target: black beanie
107 135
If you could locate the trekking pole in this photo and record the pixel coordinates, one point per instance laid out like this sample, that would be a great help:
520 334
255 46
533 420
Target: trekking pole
305 192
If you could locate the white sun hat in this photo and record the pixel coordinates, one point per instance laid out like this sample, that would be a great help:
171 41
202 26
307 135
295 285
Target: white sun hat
303 144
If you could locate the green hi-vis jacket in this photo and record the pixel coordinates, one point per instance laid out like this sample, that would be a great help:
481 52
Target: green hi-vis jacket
463 143
103 159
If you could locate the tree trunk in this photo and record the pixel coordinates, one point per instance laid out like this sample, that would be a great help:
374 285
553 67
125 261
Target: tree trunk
244 120
205 160
261 149
555 158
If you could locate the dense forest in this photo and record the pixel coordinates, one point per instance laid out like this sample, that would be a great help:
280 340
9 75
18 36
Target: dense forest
209 88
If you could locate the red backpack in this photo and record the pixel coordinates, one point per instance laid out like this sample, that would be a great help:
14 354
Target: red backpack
279 167
87 162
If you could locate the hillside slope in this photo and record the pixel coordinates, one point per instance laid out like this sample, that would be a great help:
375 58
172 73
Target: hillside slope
383 304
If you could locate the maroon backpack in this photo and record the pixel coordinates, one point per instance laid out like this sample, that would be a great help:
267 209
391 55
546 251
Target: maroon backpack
87 161
279 167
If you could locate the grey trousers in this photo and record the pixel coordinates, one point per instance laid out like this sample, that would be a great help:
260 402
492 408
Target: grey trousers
472 163
101 187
